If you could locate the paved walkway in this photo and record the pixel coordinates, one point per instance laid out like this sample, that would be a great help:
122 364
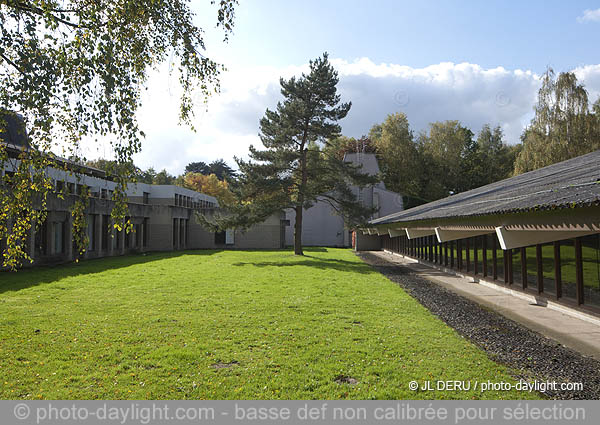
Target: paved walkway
574 332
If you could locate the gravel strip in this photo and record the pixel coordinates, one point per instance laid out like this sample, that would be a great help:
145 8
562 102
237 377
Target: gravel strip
532 355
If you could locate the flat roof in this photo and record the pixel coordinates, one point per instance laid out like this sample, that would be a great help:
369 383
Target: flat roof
569 184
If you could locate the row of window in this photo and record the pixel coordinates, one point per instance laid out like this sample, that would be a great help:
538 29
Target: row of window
186 201
58 232
568 270
137 239
77 189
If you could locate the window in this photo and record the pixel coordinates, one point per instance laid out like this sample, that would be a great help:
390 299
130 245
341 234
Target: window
138 235
145 233
105 232
516 268
59 237
91 232
182 240
531 267
41 239
117 240
146 198
103 193
590 248
219 238
230 236
568 270
175 232
548 269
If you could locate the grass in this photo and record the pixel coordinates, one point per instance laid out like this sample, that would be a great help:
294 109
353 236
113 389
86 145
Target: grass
226 325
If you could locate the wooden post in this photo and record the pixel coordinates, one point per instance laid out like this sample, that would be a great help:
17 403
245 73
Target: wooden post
523 267
468 253
494 259
508 266
475 256
484 254
557 272
579 268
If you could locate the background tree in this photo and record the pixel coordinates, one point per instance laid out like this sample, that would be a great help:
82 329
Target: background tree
197 167
163 177
76 68
446 147
293 171
221 170
394 141
148 176
210 185
342 145
218 167
563 126
495 160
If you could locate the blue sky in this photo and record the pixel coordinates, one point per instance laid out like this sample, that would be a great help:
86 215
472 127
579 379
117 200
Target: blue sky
525 34
474 61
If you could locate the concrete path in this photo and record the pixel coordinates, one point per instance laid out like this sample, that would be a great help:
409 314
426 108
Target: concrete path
579 333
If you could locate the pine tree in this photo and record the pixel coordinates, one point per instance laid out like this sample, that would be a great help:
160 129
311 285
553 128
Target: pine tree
294 171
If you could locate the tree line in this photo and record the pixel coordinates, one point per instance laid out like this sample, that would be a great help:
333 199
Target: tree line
449 158
446 158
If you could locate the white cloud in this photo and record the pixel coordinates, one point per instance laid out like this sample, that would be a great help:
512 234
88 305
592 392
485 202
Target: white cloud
589 15
465 92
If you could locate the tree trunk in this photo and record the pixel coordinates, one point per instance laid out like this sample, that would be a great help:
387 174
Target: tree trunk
298 232
300 206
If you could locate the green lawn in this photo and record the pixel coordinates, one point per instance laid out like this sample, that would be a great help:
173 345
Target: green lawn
235 324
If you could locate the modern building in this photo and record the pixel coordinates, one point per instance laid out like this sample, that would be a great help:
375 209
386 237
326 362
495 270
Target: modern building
322 226
535 234
163 217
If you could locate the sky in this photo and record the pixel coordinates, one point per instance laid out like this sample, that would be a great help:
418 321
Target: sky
474 61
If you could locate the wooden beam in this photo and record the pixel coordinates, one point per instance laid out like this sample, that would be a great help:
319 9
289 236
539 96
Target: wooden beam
444 235
419 233
520 238
396 232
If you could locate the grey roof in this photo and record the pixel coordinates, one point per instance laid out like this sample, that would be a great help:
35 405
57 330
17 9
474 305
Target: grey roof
12 129
567 184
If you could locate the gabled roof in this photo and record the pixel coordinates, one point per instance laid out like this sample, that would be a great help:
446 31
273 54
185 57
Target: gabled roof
568 184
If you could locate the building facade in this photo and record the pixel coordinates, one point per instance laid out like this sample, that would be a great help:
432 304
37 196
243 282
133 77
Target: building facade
163 219
537 234
322 226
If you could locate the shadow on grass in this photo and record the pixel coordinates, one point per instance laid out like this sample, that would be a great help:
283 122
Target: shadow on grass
314 262
29 277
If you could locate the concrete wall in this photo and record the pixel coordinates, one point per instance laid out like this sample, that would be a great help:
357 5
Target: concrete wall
321 226
389 202
367 242
267 235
